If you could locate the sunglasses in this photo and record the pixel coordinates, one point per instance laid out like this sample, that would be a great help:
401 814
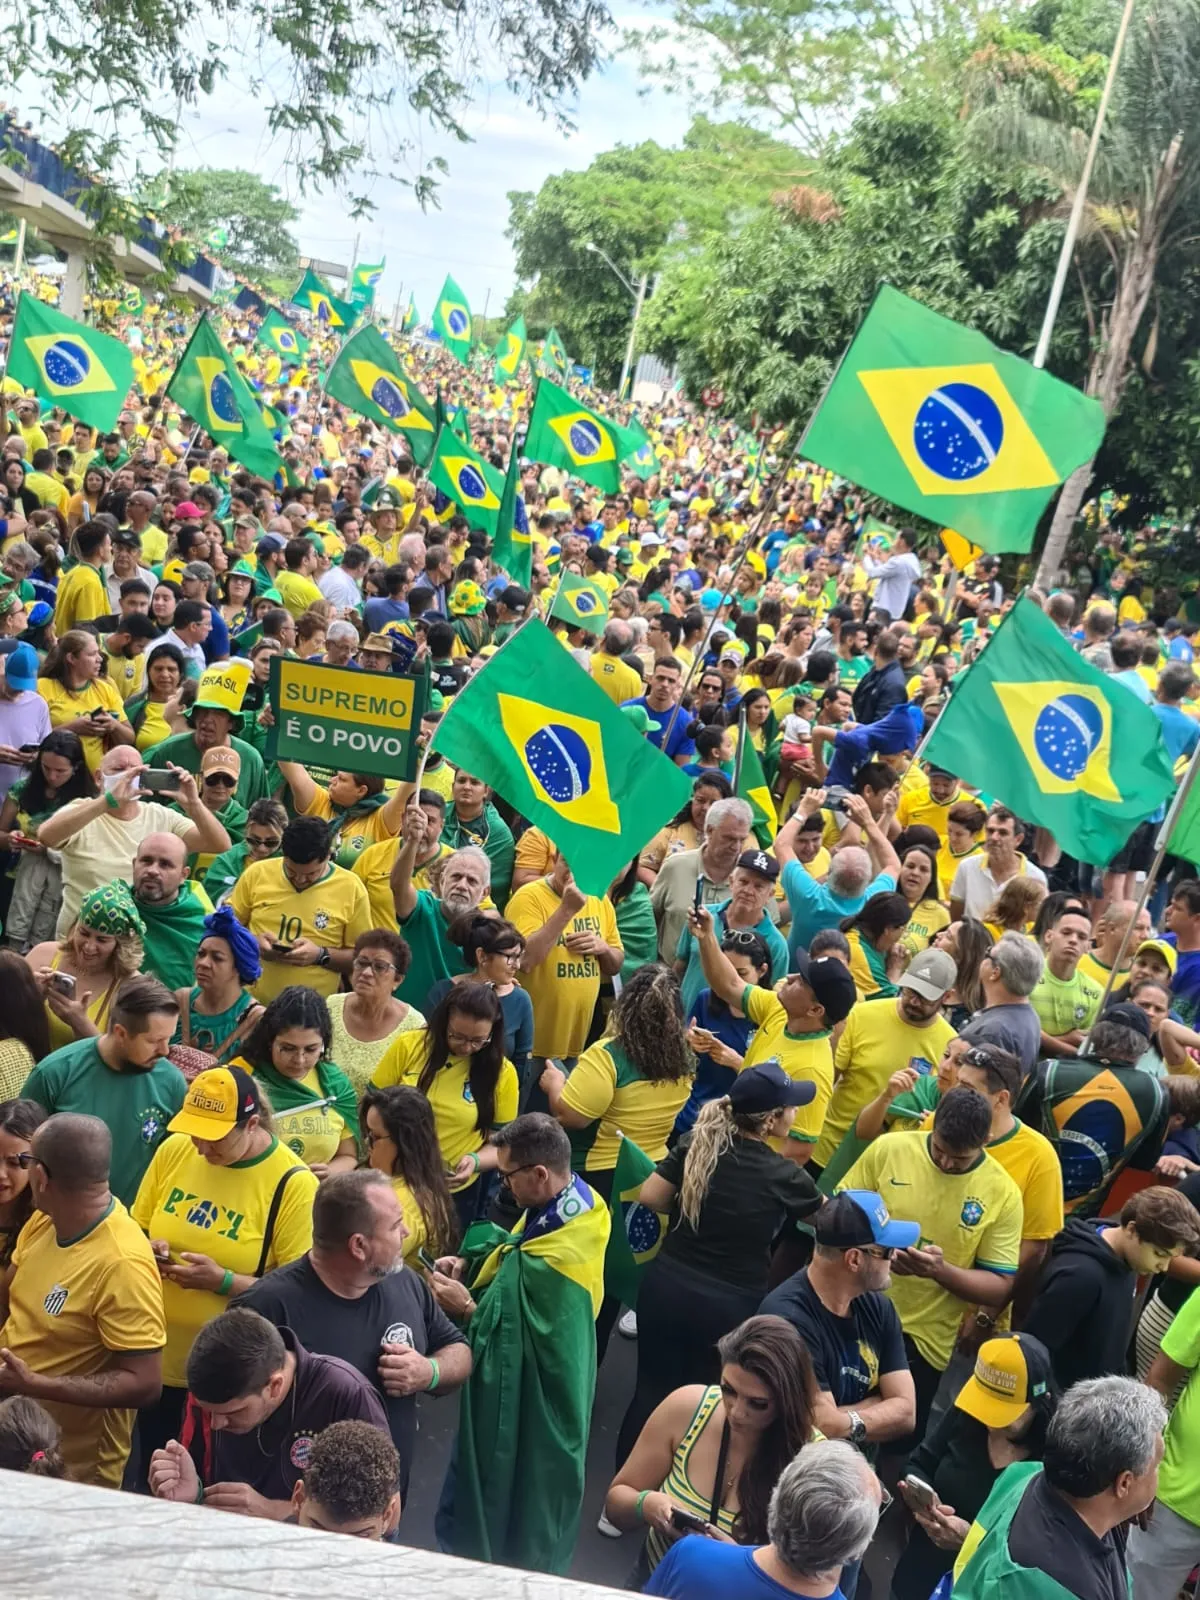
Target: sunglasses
222 778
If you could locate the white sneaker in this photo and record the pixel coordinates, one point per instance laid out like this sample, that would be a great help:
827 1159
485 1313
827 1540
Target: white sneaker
627 1326
607 1528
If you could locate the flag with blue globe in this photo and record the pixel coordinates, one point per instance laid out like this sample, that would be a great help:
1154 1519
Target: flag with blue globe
68 364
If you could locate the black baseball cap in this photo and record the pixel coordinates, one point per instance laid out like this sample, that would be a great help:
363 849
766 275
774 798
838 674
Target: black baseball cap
1129 1016
760 863
858 1217
767 1087
830 980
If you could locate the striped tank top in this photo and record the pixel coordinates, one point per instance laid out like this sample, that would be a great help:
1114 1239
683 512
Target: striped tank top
678 1485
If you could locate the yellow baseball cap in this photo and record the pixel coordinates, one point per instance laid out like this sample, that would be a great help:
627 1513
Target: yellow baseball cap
1161 948
216 1102
1010 1374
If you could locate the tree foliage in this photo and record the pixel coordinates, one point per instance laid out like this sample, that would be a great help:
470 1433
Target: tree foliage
252 216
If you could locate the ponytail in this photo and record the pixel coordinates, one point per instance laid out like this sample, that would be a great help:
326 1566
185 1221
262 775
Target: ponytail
712 1137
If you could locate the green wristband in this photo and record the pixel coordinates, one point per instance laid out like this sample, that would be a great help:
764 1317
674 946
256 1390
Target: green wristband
437 1375
226 1283
641 1502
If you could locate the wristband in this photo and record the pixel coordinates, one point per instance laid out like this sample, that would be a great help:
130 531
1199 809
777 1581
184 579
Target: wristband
437 1375
199 1494
474 1155
226 1283
641 1502
111 801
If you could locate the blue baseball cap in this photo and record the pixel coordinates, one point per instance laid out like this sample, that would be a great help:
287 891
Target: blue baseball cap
21 667
858 1217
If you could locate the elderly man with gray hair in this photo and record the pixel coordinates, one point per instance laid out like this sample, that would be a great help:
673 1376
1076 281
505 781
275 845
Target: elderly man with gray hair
823 1515
423 916
726 835
1009 973
854 875
1060 1528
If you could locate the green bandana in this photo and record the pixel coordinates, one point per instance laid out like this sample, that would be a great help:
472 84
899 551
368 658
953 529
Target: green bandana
110 910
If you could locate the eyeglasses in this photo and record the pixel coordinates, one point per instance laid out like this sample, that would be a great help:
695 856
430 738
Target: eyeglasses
506 1177
511 956
465 1043
372 1139
379 968
295 1050
880 1252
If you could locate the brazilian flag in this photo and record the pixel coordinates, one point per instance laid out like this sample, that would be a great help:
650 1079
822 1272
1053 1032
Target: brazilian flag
510 352
212 391
552 744
316 297
69 364
643 461
133 302
554 360
452 320
637 1233
563 433
580 603
465 477
1036 726
460 424
276 333
933 417
410 318
364 281
512 544
369 378
753 788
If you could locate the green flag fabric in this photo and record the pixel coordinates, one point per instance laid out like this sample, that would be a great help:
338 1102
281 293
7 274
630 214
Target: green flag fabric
315 295
369 378
69 364
510 352
933 417
643 461
460 424
276 333
410 318
1038 728
1185 835
554 360
637 1233
133 302
462 474
452 320
512 546
753 788
582 604
564 433
215 395
525 1411
364 281
984 1567
552 744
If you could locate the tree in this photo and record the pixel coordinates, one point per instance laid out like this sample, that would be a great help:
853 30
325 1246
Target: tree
347 84
252 215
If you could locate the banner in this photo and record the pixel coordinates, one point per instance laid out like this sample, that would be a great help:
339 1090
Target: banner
345 718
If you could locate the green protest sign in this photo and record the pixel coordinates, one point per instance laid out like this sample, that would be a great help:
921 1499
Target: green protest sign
341 717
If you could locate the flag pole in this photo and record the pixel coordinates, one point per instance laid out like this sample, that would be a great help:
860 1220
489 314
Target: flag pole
5 429
1161 842
741 745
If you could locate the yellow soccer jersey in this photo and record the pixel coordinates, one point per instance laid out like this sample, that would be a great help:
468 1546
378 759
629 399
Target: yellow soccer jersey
449 1094
805 1057
332 914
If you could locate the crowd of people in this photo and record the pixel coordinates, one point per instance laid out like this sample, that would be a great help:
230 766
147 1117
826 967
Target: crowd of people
314 1084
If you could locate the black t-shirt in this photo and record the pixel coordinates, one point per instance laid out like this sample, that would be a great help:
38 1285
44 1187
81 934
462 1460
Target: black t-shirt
272 1457
397 1310
1046 1533
849 1354
752 1193
447 676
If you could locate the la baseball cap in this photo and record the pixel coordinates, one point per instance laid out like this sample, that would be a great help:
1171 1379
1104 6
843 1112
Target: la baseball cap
767 1087
760 863
930 973
216 1102
1010 1373
858 1217
830 980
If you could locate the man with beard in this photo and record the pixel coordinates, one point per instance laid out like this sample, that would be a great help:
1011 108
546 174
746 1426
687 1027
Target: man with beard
424 917
172 907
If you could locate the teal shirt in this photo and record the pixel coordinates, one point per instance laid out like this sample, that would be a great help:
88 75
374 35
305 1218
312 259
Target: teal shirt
136 1104
434 957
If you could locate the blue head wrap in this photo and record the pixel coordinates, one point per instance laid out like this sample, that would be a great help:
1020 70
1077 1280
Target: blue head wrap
222 924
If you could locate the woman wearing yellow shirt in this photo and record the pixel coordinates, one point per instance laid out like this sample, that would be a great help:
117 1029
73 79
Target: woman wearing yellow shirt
222 1202
686 830
872 935
81 507
316 1109
1015 907
918 883
155 714
457 1061
964 837
400 1138
81 698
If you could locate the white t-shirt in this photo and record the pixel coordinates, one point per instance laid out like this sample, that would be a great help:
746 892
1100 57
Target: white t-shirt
104 849
796 730
339 588
977 889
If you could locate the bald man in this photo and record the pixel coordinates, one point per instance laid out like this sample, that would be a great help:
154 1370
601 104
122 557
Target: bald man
173 908
82 1314
1097 963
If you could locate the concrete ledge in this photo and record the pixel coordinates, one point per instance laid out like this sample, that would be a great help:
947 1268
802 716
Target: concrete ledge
61 1539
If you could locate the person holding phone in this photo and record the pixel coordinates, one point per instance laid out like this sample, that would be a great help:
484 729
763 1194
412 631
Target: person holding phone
59 774
80 697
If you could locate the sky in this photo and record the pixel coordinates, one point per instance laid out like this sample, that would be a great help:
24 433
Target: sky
513 148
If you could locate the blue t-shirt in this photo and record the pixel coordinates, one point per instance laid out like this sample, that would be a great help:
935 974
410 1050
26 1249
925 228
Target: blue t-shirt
712 1080
1185 985
680 744
701 1569
378 612
814 906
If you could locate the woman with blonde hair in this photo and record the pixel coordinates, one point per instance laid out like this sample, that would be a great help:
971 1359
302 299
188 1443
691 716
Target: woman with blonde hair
79 974
727 1193
1015 907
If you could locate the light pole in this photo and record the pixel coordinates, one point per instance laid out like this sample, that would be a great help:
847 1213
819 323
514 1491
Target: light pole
639 297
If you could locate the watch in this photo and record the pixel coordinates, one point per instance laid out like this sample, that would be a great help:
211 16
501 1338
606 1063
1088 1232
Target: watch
323 958
858 1428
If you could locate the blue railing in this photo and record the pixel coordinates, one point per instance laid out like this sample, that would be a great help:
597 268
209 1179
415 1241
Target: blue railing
42 165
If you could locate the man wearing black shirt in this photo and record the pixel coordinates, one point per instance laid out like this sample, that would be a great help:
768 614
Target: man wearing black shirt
837 1305
351 1296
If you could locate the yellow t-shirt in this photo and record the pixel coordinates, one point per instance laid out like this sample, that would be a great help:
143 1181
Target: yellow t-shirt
48 490
606 1087
332 913
876 1042
535 852
127 673
975 1218
1029 1159
449 1094
73 1305
373 868
311 1133
563 987
618 680
296 591
154 545
1090 967
81 597
949 863
413 1221
928 918
370 828
101 694
805 1057
917 805
219 1212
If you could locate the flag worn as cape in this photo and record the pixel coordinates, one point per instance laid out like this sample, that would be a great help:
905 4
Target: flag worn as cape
173 935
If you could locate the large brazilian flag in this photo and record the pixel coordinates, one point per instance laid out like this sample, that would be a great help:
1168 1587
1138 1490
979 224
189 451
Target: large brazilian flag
69 364
215 395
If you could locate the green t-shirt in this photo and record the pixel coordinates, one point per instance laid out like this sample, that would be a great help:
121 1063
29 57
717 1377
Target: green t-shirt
1179 1475
434 957
136 1105
1064 1004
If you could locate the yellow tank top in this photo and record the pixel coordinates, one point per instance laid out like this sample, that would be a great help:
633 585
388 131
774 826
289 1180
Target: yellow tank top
98 1009
678 1484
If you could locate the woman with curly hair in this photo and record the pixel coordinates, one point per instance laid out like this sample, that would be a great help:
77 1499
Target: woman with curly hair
400 1138
80 973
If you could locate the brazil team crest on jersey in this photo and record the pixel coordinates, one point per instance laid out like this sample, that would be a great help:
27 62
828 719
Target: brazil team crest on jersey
972 1213
152 1124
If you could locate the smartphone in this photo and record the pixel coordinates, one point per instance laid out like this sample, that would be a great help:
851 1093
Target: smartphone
29 749
687 1521
426 1259
64 983
154 780
921 1492
921 1065
698 898
281 944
